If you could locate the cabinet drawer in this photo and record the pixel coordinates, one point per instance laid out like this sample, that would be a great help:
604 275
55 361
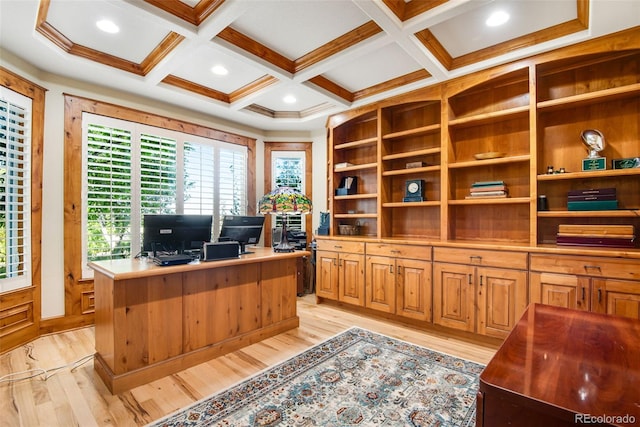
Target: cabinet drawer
588 266
514 260
340 246
400 251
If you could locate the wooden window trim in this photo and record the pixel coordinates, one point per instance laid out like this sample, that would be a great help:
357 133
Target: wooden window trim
30 296
269 148
75 286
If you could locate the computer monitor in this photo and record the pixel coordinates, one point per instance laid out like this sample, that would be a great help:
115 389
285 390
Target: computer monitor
245 230
175 233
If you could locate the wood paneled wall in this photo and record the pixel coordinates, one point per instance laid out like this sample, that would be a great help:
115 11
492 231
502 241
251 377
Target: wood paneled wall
20 309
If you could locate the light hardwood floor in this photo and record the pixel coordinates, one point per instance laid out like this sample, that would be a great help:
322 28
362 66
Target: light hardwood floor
75 396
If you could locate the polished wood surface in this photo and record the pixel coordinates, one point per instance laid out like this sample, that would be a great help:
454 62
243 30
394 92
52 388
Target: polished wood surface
152 320
79 397
559 363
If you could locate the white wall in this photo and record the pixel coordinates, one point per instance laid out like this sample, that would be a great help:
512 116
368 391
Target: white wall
53 173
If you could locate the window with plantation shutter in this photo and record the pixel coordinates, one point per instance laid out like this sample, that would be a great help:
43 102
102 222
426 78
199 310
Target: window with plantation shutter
199 184
158 174
133 169
232 182
215 179
15 191
108 192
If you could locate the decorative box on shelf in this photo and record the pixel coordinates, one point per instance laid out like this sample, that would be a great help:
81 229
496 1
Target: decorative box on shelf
411 165
628 163
348 186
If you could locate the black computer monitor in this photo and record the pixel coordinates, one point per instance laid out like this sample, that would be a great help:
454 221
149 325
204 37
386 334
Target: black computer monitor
245 230
175 233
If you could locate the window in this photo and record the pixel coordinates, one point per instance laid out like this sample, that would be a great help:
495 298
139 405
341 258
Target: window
289 170
131 169
15 190
287 163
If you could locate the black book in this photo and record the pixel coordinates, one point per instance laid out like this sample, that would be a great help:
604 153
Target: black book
594 192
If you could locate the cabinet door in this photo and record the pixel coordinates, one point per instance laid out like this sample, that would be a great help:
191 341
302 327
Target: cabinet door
413 298
617 297
453 296
351 281
502 298
327 274
561 290
380 280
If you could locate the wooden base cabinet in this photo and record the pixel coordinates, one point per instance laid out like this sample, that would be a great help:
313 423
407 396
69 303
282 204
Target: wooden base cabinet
596 284
398 280
617 297
477 298
340 271
561 290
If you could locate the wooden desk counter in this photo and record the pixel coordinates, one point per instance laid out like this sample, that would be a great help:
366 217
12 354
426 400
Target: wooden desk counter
561 367
153 321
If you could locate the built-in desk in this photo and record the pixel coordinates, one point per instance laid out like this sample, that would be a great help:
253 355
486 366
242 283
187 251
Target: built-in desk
562 367
153 321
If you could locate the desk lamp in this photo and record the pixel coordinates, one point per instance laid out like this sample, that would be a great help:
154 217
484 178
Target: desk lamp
284 201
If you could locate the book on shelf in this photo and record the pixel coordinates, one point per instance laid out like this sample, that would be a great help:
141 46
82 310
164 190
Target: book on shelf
487 195
342 165
591 198
592 205
486 183
592 192
597 241
489 188
607 236
596 229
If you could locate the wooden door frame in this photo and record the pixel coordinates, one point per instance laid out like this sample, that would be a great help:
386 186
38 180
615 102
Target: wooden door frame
269 148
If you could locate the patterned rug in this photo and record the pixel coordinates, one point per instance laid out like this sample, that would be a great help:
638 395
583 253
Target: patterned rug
357 378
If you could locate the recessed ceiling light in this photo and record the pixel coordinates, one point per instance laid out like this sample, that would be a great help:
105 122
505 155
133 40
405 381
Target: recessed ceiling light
289 99
497 18
219 70
107 26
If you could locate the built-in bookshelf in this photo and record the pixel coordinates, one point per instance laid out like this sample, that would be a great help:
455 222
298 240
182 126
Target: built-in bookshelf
410 150
588 92
508 124
354 153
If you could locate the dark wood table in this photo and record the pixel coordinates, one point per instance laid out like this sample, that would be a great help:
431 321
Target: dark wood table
562 367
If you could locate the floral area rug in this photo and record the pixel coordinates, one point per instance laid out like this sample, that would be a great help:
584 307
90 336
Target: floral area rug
357 378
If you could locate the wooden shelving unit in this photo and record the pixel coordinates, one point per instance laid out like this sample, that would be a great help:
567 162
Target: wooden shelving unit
411 133
531 115
591 92
355 142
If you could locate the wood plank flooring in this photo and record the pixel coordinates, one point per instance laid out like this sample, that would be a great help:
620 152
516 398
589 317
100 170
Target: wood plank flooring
75 396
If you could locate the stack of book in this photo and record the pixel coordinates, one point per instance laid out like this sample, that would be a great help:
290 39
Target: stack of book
597 199
491 189
612 236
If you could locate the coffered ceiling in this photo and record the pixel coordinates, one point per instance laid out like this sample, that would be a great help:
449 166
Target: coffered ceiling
324 55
